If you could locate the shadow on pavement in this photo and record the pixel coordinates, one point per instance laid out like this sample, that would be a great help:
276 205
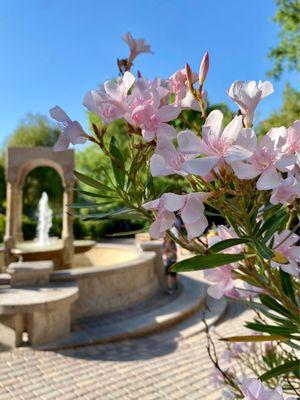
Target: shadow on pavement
152 346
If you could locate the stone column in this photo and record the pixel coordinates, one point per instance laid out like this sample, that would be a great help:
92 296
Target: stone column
67 228
10 223
156 246
18 215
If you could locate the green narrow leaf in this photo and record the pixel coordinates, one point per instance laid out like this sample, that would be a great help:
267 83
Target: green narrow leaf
274 305
272 329
92 194
269 222
91 182
109 214
128 233
88 205
281 369
212 214
262 249
117 163
253 338
287 285
201 262
278 225
225 244
257 227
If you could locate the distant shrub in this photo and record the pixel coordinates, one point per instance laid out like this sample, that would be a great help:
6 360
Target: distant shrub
82 229
29 227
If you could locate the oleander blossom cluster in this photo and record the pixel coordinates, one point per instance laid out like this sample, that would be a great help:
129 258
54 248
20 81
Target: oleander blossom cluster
228 169
150 106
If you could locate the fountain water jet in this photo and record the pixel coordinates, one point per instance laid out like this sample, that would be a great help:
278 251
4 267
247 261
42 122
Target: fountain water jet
44 220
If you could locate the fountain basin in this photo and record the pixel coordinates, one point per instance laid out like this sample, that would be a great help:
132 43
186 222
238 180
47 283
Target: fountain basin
110 277
33 251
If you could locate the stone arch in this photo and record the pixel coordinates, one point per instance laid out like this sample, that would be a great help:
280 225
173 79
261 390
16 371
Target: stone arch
19 162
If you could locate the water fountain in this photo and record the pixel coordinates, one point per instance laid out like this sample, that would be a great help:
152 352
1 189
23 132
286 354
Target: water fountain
44 220
44 247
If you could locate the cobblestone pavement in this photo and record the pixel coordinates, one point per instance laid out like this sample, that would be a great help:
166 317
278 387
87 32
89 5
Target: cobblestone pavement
152 368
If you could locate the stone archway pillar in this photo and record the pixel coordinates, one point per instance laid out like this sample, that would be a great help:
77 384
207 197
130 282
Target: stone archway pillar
19 212
67 228
11 220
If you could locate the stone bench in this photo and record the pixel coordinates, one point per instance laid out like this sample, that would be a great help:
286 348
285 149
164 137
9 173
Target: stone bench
43 312
30 273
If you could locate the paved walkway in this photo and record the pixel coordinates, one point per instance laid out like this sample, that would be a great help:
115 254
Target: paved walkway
157 367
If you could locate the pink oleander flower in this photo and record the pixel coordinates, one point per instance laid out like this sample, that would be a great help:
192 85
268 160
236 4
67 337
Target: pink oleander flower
136 46
71 131
223 282
168 160
184 98
147 92
292 144
267 161
219 146
110 103
190 208
247 95
253 389
286 192
153 120
287 255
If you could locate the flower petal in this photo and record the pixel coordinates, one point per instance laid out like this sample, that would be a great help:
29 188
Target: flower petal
213 124
189 142
200 166
173 202
168 113
159 167
233 129
266 88
75 133
59 115
127 81
269 179
237 153
166 130
151 205
247 139
192 209
62 143
195 229
244 170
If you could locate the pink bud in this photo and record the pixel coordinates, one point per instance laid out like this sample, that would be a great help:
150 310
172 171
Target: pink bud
203 68
189 76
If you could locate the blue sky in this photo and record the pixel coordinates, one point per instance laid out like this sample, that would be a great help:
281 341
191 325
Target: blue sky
53 51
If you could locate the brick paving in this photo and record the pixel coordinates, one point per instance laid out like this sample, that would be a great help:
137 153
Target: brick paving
152 368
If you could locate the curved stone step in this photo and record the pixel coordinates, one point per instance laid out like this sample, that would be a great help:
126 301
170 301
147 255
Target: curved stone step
189 303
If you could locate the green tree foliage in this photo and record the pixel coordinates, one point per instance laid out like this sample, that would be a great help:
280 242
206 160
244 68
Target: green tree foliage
288 113
33 130
287 51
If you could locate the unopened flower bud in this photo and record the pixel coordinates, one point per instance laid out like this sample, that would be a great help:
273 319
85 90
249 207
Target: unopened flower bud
203 68
189 77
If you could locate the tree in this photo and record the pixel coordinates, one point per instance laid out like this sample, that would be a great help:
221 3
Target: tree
286 53
287 114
